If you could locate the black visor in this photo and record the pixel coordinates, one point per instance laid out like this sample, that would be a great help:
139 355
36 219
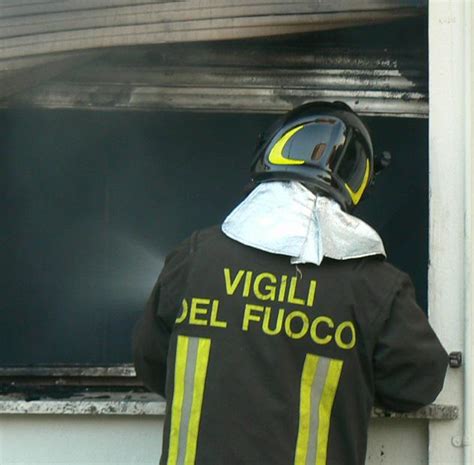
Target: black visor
316 143
353 165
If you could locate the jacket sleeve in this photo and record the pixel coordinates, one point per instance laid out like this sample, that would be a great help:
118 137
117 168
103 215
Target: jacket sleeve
151 334
150 341
409 361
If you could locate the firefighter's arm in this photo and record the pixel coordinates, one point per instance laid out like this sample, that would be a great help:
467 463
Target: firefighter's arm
151 335
150 345
409 361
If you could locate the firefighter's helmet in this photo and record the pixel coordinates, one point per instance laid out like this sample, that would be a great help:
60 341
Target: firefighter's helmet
324 145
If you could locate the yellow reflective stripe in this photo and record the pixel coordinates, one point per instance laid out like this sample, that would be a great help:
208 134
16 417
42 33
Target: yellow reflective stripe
276 154
309 373
355 196
178 397
325 409
192 358
319 382
198 393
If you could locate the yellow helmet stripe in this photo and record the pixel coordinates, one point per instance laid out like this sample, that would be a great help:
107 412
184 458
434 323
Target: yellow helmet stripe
355 196
276 155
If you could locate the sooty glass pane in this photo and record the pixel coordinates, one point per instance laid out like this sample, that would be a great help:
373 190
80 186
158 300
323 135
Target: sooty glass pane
93 201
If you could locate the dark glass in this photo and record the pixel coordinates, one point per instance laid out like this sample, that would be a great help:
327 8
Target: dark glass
330 134
93 201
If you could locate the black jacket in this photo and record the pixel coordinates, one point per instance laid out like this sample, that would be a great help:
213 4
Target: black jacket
263 362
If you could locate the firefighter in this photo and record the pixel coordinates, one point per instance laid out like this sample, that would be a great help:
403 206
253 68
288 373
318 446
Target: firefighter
272 336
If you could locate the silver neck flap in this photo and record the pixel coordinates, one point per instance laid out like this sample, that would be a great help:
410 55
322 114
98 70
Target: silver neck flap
286 218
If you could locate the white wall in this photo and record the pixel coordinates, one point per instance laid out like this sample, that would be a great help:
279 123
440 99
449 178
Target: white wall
449 249
79 440
117 440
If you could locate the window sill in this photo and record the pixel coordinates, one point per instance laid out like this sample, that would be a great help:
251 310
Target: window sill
97 403
136 404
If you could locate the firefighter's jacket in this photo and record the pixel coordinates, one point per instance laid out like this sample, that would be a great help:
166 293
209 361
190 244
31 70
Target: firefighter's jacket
267 363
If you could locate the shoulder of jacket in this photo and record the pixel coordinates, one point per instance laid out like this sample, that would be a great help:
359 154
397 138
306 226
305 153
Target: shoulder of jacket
208 234
378 266
211 238
379 280
190 244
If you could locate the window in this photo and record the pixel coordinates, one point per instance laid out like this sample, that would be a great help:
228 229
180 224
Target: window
94 200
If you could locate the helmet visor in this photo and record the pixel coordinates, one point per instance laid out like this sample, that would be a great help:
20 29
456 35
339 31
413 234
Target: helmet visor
316 143
354 164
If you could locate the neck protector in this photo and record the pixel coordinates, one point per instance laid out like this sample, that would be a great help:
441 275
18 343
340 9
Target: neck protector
284 217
